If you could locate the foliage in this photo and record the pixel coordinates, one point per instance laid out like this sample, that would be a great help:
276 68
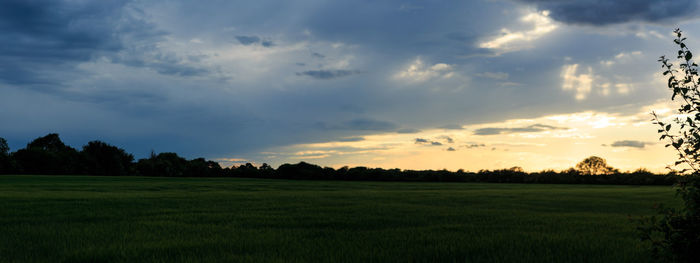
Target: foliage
6 162
595 165
48 155
103 159
675 236
4 149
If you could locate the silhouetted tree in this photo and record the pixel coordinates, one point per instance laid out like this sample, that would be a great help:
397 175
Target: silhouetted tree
200 167
6 162
4 148
594 165
48 155
266 171
163 164
301 170
103 159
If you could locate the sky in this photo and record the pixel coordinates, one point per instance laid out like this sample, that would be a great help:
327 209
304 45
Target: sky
432 84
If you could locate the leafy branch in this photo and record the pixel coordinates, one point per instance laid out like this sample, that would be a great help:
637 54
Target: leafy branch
684 83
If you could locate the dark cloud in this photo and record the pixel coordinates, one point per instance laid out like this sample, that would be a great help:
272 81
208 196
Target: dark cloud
317 55
252 40
49 38
427 142
447 139
451 149
327 74
248 40
352 139
421 141
167 64
451 127
629 143
604 12
408 130
531 128
366 125
41 36
475 145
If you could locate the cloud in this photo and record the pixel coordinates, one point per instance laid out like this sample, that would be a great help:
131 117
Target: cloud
450 149
493 75
252 40
512 40
475 145
451 127
351 139
621 57
408 130
603 12
248 40
447 139
427 142
328 74
582 83
629 143
421 140
41 38
418 72
366 125
531 128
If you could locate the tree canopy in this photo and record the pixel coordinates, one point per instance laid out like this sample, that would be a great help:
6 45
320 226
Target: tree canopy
594 165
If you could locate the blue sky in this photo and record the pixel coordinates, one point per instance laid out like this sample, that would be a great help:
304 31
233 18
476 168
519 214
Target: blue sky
270 81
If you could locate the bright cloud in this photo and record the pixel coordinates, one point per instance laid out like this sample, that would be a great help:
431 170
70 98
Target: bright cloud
580 83
511 40
418 72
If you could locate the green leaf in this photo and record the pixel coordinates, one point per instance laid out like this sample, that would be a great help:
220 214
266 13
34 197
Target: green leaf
688 55
668 127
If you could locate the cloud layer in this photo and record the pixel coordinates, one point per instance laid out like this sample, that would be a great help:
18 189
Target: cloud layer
234 80
601 12
529 128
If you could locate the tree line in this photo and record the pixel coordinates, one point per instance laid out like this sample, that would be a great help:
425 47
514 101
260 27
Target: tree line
49 155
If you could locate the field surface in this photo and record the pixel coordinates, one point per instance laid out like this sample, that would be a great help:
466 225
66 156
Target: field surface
140 219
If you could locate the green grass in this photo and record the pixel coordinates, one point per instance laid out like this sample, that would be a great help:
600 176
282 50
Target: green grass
134 219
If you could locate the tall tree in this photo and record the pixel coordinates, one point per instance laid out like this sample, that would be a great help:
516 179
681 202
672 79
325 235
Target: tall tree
48 155
4 148
103 159
6 164
594 165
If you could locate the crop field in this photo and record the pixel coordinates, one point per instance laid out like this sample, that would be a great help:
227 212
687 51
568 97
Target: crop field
145 219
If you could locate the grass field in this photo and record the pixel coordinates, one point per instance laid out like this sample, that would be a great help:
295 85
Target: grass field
130 219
